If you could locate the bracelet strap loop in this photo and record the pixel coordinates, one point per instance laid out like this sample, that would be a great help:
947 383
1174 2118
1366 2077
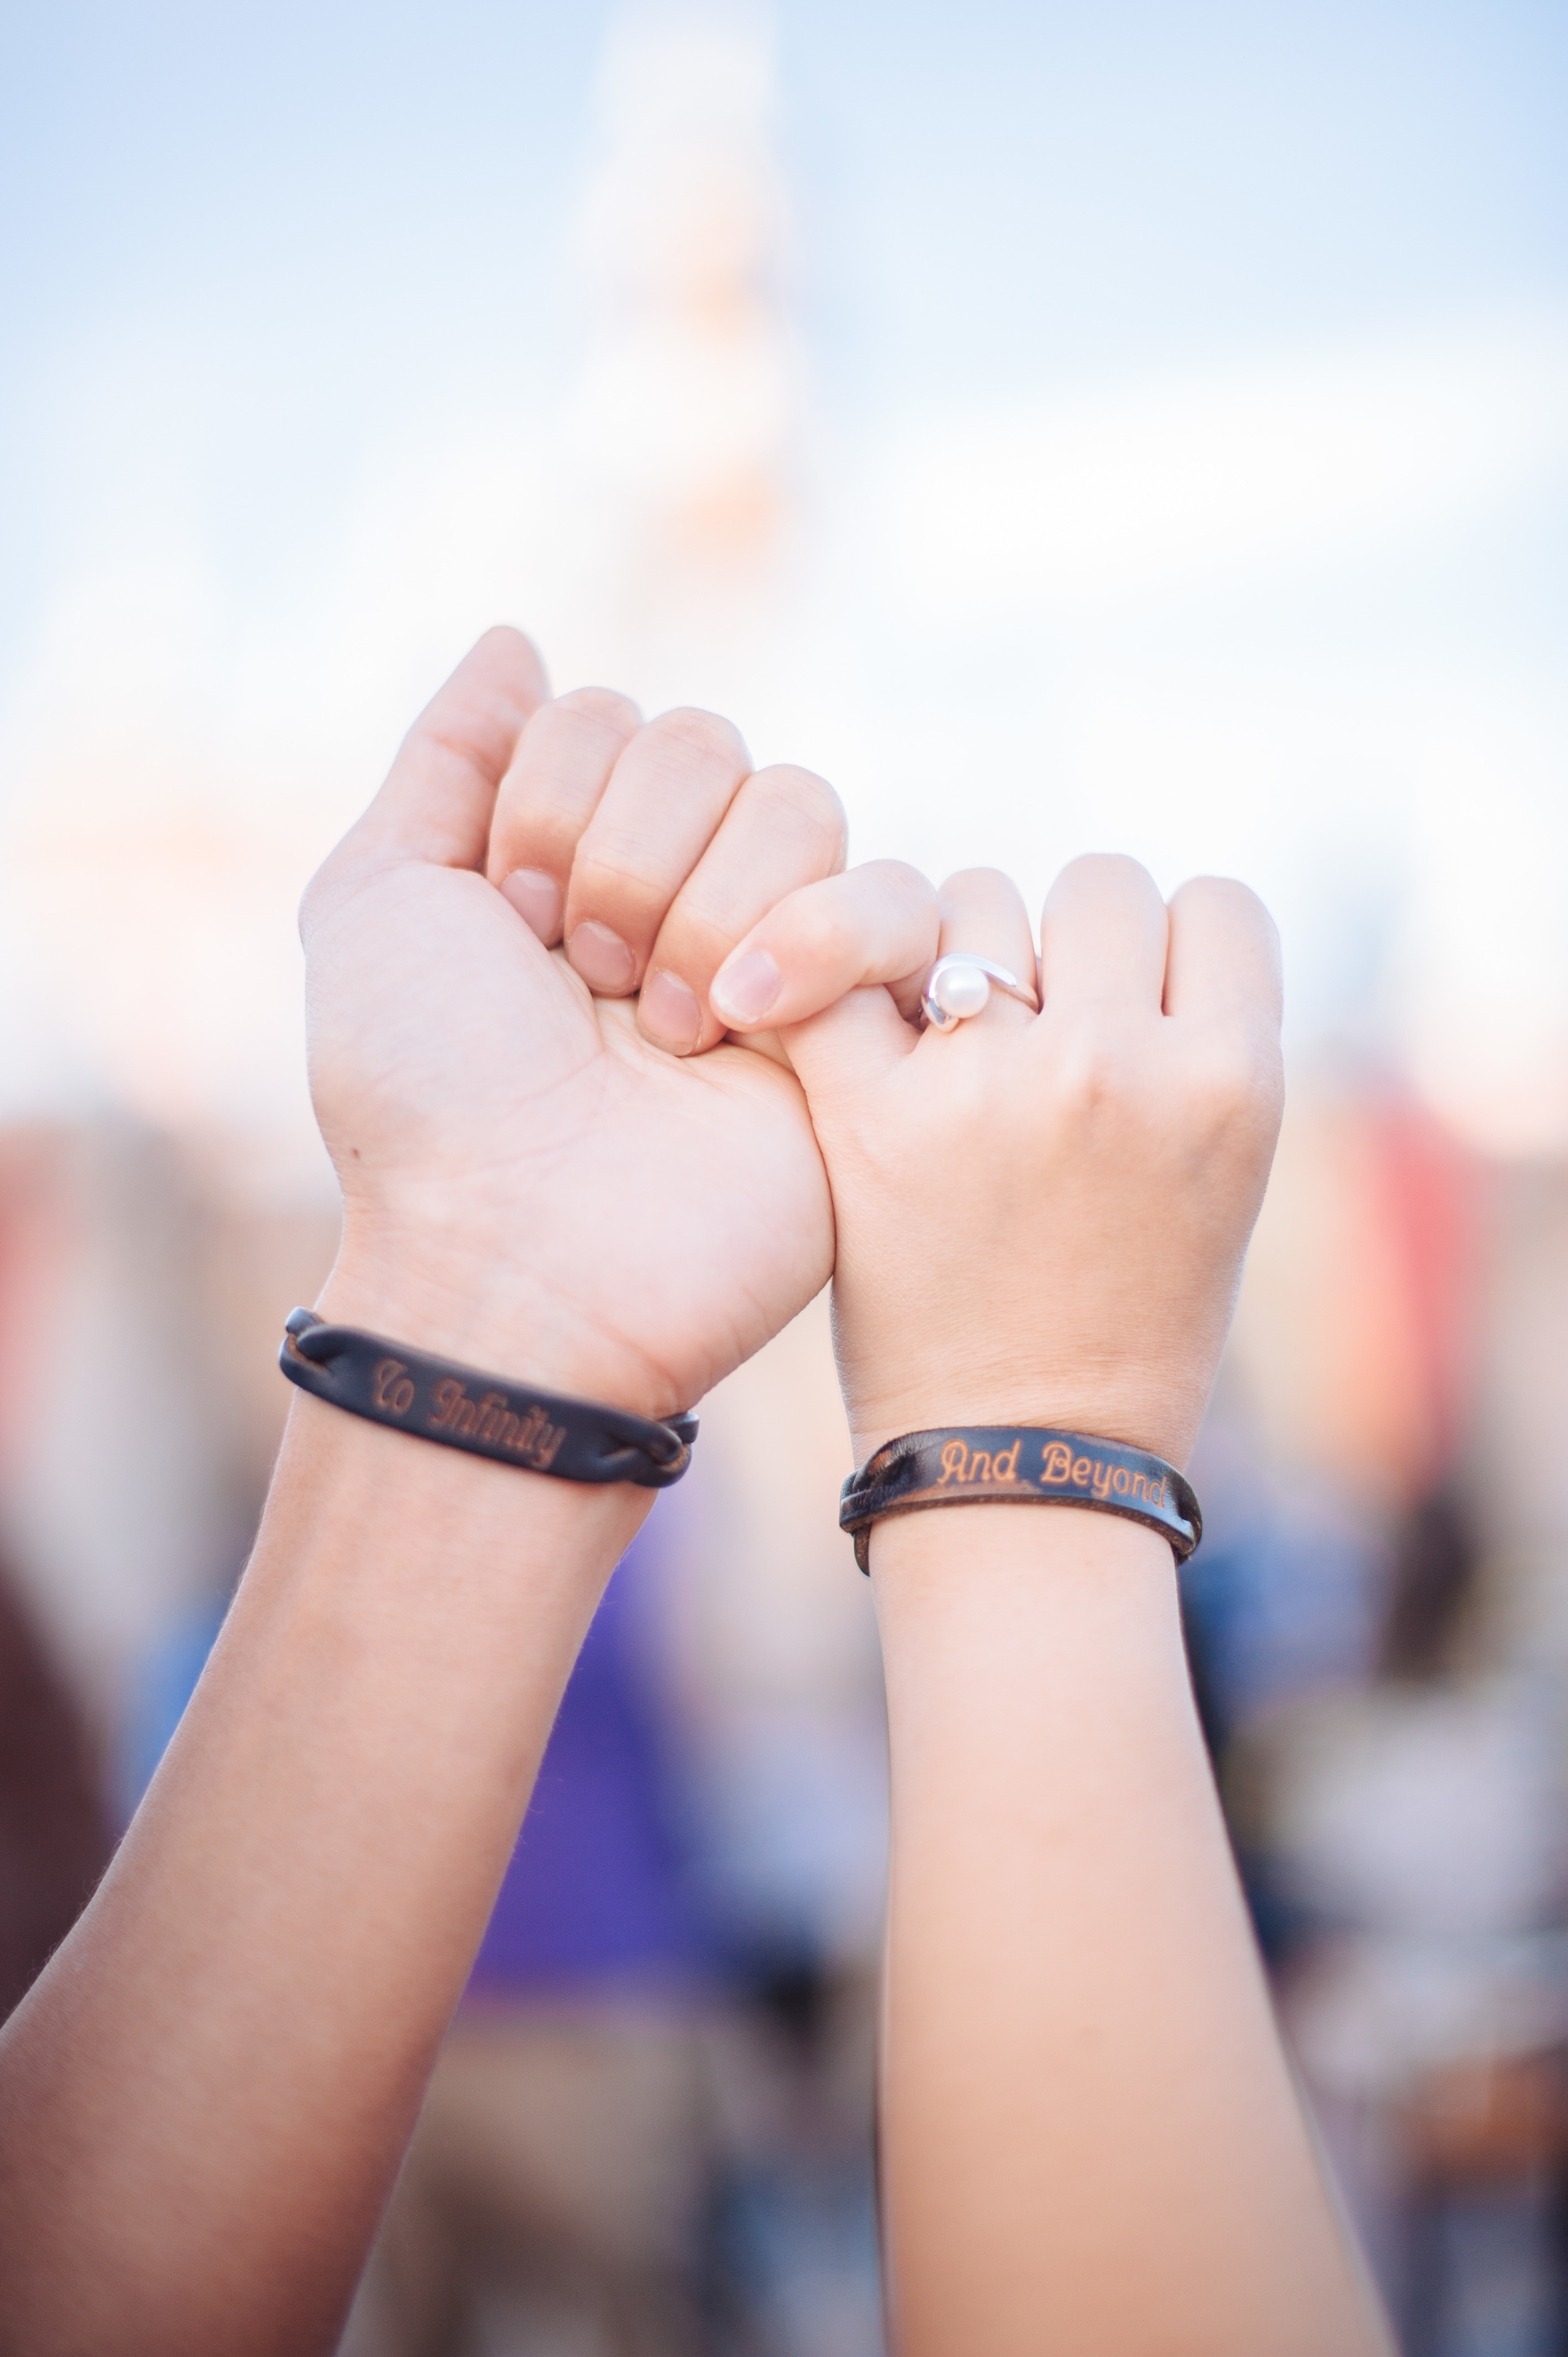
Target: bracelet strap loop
435 1399
1013 1464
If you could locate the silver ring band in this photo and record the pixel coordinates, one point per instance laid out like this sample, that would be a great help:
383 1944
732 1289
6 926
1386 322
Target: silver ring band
946 1002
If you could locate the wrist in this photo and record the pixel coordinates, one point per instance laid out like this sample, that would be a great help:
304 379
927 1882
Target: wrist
973 1556
366 1471
1160 1417
465 1299
1009 1348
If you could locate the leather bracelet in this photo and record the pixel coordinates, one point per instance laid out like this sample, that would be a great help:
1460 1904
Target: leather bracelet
1018 1464
511 1424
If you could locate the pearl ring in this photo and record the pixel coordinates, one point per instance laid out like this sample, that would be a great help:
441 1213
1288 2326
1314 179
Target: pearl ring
961 985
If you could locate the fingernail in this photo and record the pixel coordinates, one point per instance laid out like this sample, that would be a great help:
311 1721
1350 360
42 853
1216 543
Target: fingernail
743 992
537 900
601 958
670 1014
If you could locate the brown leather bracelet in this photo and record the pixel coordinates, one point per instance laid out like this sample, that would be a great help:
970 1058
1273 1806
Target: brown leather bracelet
1018 1464
485 1416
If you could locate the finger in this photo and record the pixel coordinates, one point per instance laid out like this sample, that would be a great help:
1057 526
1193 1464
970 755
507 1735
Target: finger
556 778
876 926
439 796
666 796
983 911
836 1054
1223 967
784 829
1102 937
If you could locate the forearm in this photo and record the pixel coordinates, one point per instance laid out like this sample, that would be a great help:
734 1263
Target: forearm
1091 2138
238 2034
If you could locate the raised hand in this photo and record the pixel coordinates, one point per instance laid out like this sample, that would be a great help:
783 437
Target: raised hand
1090 2138
1042 1218
549 1169
552 1161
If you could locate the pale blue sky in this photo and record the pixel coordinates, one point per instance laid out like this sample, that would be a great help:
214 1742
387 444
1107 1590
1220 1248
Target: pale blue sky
353 200
1264 308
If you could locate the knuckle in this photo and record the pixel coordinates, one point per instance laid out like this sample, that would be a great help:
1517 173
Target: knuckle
1233 1082
1093 1077
605 704
1229 889
899 876
1234 904
707 735
903 890
806 802
1113 867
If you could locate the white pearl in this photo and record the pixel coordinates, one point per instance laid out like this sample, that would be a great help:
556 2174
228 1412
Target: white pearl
963 990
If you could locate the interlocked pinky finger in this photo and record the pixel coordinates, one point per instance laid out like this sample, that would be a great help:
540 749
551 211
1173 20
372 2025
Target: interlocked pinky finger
880 924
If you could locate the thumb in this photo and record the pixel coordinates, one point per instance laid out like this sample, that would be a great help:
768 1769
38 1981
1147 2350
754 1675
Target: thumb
437 801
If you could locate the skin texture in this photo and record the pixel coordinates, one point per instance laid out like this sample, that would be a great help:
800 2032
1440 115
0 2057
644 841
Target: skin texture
1090 2139
205 2097
548 1168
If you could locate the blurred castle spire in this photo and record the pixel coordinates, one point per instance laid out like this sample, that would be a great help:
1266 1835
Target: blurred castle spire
687 420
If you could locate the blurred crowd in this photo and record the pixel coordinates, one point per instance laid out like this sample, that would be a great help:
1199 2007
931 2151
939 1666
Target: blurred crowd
650 2129
1377 1625
1200 568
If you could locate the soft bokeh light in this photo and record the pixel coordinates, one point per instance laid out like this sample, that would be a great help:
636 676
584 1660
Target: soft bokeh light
1135 428
888 388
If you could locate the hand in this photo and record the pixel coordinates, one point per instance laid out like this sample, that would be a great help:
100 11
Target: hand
541 1170
1042 1218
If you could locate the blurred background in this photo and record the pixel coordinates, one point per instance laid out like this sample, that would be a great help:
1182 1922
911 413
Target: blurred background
1141 427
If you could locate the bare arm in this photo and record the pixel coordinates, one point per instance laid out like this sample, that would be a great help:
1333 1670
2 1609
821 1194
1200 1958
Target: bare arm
205 2098
1090 2140
203 2101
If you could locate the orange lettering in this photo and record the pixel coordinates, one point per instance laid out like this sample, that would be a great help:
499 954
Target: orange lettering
388 1392
543 1451
448 1392
955 1462
1122 1481
1081 1469
1057 1466
980 1465
492 1416
1005 1464
1101 1484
